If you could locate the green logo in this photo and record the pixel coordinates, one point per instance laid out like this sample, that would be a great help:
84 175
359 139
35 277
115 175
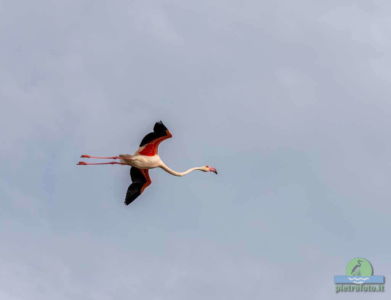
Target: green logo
359 278
359 267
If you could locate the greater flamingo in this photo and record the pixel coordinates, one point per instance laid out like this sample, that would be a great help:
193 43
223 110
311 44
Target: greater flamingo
145 158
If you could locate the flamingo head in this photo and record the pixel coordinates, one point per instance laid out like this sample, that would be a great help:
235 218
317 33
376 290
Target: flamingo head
209 169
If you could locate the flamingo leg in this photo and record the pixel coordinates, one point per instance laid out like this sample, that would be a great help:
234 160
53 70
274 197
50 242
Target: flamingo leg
100 157
82 163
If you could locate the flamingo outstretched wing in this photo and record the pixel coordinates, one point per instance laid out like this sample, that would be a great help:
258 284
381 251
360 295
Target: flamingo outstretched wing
140 180
150 143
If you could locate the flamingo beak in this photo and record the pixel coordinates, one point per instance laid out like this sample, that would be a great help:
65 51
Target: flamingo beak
212 170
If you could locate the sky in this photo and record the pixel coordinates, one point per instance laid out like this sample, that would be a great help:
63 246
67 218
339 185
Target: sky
289 100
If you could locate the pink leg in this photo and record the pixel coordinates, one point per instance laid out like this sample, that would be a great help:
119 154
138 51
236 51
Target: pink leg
82 163
100 157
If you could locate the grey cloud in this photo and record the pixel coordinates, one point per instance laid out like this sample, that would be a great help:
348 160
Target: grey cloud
289 101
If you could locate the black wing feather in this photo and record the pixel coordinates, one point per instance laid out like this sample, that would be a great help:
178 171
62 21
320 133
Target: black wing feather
159 130
134 190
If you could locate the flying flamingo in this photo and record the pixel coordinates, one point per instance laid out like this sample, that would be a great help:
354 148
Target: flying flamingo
145 158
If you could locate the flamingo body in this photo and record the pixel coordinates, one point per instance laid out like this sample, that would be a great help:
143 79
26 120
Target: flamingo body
141 161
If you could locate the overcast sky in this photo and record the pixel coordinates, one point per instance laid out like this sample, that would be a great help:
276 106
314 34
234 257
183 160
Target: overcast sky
289 100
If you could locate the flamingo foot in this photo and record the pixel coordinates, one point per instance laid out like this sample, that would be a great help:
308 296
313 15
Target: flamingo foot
85 156
81 163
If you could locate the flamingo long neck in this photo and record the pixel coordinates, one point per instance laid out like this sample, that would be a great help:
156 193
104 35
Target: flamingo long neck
175 173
